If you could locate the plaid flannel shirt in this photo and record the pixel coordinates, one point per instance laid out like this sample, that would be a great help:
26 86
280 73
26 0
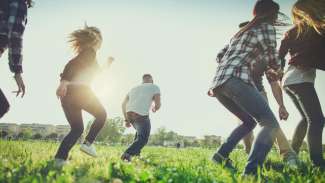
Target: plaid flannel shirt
238 58
13 19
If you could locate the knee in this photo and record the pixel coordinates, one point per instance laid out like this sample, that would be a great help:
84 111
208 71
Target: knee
251 125
143 139
101 116
77 131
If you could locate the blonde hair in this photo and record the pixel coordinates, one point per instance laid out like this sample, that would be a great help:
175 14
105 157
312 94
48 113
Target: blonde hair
309 14
84 38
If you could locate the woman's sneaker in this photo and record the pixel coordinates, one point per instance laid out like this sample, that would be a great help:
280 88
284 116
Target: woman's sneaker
126 157
291 160
226 162
89 149
59 163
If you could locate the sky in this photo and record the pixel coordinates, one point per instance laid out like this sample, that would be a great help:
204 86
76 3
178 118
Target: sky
174 40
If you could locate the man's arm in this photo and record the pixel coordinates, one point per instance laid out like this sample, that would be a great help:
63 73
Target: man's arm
157 102
124 107
277 93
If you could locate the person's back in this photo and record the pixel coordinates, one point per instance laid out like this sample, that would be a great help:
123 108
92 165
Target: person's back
135 107
141 98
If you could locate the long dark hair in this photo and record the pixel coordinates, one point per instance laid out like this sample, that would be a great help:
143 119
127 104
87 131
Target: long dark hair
30 3
265 11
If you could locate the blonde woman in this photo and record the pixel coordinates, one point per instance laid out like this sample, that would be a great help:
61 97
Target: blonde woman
305 43
76 94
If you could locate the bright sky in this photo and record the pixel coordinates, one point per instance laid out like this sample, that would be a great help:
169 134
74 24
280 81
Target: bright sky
175 41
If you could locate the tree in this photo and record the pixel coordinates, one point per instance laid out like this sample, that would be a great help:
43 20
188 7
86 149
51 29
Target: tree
25 134
52 136
127 139
163 137
112 130
37 136
4 134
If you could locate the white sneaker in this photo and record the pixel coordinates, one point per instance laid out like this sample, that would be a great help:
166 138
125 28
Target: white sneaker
59 163
292 161
89 149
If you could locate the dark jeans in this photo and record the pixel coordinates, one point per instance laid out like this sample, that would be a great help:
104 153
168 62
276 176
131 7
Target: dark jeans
306 100
143 127
80 98
4 104
246 102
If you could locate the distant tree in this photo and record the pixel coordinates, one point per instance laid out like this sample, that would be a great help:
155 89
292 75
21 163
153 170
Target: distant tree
159 137
25 134
3 134
162 135
37 136
127 139
52 136
112 130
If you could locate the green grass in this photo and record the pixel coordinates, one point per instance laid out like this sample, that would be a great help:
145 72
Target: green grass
31 161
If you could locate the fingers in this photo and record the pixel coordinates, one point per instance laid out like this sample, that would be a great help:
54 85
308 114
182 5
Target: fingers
23 91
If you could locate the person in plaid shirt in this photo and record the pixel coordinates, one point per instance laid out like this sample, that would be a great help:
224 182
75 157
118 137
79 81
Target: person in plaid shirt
234 87
13 19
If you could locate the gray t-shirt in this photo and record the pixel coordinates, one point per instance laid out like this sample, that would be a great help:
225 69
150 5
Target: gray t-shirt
295 75
141 98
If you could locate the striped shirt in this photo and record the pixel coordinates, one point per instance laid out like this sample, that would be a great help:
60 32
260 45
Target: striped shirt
13 19
238 58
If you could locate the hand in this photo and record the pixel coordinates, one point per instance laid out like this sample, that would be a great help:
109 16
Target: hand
20 84
110 60
272 74
62 89
210 93
127 124
1 51
154 109
283 113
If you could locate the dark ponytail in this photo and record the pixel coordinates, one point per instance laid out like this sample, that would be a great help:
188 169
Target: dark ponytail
30 3
264 11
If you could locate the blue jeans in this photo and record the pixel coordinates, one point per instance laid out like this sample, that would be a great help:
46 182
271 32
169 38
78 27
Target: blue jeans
143 127
246 102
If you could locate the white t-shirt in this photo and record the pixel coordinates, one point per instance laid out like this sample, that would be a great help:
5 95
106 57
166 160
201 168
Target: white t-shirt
296 75
141 98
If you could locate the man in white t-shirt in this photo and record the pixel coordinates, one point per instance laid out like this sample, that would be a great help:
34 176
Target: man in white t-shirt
136 107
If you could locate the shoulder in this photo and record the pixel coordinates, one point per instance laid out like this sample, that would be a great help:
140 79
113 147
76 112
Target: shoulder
266 27
154 86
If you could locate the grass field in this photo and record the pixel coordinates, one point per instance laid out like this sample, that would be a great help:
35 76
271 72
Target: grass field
30 161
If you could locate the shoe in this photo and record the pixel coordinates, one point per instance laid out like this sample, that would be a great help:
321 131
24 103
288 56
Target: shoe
226 162
89 149
126 157
291 160
59 163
